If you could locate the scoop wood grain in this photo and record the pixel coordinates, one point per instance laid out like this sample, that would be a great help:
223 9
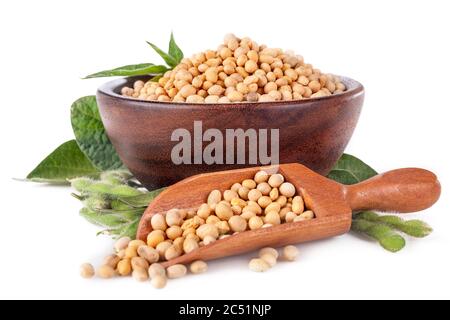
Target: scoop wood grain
402 190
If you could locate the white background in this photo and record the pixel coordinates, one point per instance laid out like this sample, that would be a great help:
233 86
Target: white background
397 49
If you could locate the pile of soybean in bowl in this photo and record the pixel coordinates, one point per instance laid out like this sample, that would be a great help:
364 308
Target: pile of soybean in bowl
239 70
262 202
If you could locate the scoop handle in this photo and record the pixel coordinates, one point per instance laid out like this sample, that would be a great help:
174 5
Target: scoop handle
402 190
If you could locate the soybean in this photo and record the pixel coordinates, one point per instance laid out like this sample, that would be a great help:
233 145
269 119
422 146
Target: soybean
176 271
148 253
198 267
155 270
122 243
258 265
290 253
140 274
158 282
124 267
268 250
158 222
106 272
262 202
87 270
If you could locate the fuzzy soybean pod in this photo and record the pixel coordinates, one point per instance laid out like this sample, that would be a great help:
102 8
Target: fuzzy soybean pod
413 228
97 187
110 190
119 205
96 202
81 184
115 176
124 191
384 234
109 221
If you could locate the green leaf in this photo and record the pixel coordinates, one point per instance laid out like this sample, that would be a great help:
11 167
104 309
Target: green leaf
66 162
351 170
174 49
171 61
91 135
130 70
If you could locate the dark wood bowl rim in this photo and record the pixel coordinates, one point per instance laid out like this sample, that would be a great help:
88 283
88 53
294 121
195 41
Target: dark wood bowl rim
112 89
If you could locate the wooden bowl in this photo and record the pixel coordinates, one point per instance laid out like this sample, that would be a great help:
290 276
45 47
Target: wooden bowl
313 132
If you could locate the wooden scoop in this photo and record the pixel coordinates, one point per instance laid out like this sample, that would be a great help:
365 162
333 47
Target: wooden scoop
402 190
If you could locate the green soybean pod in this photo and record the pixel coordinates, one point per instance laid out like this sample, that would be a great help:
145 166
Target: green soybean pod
384 234
117 204
124 191
115 176
414 228
103 220
81 184
96 202
100 188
